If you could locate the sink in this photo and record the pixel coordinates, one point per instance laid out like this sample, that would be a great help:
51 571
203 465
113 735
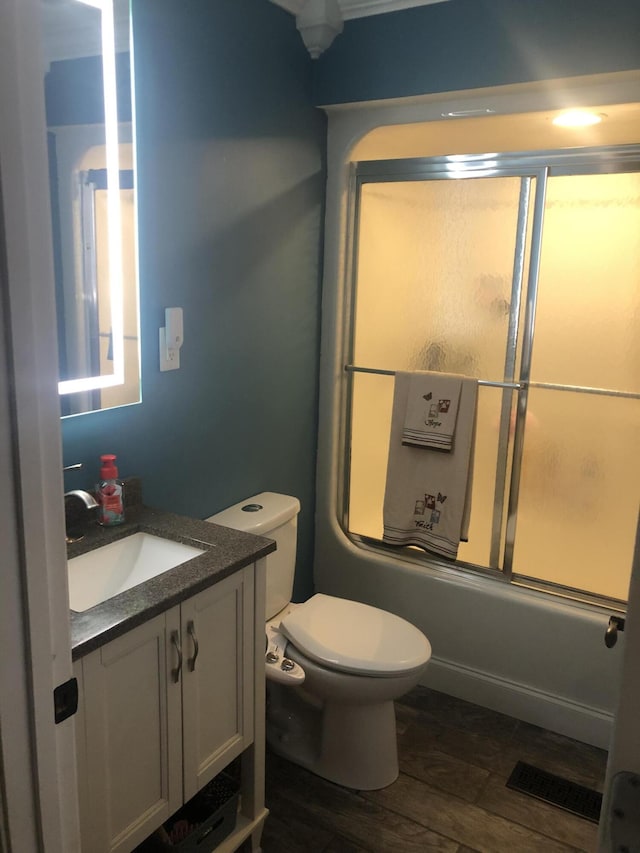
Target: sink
104 572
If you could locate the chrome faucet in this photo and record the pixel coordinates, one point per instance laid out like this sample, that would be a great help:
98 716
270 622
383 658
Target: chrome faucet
78 506
86 497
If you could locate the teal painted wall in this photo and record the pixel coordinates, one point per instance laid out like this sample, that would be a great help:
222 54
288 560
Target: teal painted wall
469 44
231 176
73 90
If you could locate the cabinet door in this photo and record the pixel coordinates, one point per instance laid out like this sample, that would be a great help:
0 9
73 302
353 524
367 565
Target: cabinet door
133 747
217 686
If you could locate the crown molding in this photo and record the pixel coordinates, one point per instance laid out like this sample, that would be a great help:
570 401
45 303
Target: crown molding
320 21
364 8
359 8
293 6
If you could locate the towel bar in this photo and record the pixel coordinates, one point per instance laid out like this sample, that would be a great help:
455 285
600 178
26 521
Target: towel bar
351 368
516 386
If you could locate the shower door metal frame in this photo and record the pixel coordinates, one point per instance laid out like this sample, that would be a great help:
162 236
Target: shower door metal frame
530 167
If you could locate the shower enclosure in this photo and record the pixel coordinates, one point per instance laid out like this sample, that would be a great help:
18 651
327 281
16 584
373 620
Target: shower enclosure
523 271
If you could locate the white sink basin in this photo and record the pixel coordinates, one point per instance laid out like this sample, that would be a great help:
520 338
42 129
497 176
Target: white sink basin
100 574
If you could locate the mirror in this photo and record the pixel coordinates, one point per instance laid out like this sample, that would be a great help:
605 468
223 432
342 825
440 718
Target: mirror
92 182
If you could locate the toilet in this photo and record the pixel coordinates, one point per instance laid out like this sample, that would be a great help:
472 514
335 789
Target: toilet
334 667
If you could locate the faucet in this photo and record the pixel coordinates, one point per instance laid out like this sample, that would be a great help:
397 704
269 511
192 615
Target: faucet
86 497
78 506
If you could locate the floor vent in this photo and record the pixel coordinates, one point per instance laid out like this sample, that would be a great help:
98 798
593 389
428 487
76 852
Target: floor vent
581 801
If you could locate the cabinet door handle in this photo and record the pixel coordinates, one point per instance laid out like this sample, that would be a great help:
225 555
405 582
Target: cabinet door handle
175 639
191 631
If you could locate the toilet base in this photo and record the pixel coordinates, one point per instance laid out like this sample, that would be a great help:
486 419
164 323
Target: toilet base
352 745
359 746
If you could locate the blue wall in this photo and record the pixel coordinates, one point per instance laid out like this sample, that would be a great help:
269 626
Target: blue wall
231 175
469 44
73 90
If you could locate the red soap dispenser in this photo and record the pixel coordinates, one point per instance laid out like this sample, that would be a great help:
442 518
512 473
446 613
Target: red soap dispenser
110 493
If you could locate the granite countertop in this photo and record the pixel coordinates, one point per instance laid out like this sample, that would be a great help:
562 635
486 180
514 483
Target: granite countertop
226 551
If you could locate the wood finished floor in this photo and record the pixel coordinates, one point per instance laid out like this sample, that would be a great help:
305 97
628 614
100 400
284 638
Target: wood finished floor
455 758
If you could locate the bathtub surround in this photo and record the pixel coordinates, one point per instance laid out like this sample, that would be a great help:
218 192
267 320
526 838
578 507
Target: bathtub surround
517 650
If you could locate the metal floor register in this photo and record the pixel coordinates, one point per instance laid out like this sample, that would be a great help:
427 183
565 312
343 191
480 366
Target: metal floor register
574 798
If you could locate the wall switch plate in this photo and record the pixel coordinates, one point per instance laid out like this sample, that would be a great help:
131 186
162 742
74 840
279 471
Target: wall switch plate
169 359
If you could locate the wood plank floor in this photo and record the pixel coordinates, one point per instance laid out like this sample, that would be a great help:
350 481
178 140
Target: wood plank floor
455 758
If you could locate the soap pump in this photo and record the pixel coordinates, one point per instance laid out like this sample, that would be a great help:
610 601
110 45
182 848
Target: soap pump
110 493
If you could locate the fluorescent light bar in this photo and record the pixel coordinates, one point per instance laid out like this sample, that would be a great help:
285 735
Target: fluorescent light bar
72 386
89 383
113 189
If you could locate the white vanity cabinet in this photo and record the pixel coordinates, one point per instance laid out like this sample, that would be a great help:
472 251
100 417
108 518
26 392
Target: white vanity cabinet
165 707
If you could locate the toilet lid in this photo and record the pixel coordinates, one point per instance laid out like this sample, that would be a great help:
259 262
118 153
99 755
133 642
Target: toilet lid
354 637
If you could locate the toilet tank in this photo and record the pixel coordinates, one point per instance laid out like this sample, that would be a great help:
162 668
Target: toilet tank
276 517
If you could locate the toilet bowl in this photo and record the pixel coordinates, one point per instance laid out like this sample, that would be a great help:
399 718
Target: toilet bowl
340 723
334 667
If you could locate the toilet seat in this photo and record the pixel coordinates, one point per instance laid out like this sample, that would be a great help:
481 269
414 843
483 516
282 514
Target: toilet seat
349 636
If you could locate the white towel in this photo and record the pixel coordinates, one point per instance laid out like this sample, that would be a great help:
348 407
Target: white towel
427 499
432 410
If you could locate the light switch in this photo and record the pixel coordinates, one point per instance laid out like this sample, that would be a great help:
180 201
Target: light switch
169 358
170 339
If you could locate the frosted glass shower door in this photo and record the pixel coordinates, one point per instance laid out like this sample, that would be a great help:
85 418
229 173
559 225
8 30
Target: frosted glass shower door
434 291
580 483
526 276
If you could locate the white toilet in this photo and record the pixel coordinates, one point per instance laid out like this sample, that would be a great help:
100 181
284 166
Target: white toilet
334 667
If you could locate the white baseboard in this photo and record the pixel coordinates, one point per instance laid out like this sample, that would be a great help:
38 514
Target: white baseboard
575 720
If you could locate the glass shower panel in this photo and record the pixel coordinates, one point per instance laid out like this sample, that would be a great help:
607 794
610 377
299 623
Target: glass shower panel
434 271
579 491
433 291
370 426
589 287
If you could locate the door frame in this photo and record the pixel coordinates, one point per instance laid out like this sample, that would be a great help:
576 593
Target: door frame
624 753
39 787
